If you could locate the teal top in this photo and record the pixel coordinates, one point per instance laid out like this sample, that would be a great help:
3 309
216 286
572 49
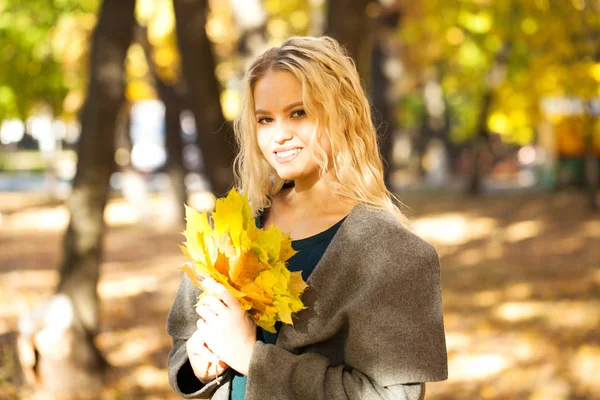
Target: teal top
309 252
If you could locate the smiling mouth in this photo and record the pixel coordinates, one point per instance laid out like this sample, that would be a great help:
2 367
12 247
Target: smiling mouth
287 153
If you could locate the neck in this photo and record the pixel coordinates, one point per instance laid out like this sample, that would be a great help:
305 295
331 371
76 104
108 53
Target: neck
317 193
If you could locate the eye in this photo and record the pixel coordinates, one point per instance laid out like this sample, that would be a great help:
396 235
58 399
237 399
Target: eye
264 120
298 113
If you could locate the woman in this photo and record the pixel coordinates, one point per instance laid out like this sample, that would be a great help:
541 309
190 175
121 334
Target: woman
309 163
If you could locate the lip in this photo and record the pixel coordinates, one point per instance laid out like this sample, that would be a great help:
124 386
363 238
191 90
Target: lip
286 159
286 148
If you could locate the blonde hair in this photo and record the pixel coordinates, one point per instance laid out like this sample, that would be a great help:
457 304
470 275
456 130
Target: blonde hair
330 82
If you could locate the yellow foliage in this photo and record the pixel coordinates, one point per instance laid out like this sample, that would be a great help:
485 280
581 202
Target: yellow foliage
299 20
455 35
595 71
162 24
250 262
231 101
139 90
136 64
480 22
499 123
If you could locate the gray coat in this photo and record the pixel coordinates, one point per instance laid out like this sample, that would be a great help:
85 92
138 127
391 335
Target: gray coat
373 327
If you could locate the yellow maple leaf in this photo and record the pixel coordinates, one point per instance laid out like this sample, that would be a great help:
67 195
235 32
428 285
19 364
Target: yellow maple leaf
249 261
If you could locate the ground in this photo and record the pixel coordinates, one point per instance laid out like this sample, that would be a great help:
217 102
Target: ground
521 291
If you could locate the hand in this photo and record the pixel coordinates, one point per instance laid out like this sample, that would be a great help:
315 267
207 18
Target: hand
225 328
205 364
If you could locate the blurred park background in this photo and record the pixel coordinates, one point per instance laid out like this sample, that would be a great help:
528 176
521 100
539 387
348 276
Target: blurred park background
115 113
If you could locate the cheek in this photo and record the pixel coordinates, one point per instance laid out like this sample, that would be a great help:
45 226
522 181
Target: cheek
262 143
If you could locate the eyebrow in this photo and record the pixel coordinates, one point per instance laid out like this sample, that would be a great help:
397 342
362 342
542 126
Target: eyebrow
289 107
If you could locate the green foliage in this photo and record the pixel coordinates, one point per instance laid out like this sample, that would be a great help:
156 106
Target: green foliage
32 63
25 160
553 50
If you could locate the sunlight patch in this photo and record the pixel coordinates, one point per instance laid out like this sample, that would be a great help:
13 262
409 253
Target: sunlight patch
129 349
563 314
456 341
127 287
148 376
519 311
121 213
591 229
453 228
47 219
585 367
523 230
476 366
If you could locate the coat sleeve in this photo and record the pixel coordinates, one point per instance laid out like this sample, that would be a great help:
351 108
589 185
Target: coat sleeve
181 325
278 374
375 303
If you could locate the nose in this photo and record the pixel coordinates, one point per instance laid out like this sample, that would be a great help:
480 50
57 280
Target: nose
282 133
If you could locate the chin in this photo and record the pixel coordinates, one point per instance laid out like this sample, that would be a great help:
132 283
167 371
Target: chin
288 173
288 176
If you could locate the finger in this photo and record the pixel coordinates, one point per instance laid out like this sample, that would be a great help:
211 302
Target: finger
205 352
221 292
215 304
196 342
206 314
211 304
201 326
197 346
220 367
208 368
215 369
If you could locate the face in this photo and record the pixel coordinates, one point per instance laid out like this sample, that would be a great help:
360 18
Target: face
286 135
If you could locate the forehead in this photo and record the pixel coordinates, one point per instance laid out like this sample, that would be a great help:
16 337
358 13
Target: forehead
276 89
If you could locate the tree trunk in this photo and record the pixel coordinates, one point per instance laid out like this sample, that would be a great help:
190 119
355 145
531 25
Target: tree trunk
592 174
174 143
495 77
348 23
591 162
79 272
215 136
385 26
383 115
479 145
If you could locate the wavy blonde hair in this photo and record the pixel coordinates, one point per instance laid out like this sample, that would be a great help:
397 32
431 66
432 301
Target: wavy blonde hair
330 82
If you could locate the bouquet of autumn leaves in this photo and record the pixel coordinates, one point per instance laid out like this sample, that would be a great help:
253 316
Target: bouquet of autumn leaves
249 261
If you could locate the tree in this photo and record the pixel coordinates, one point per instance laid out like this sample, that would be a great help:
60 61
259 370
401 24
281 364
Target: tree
519 45
350 24
481 142
215 136
383 110
592 159
82 365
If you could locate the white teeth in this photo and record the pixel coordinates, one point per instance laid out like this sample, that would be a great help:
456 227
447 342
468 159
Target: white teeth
287 153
